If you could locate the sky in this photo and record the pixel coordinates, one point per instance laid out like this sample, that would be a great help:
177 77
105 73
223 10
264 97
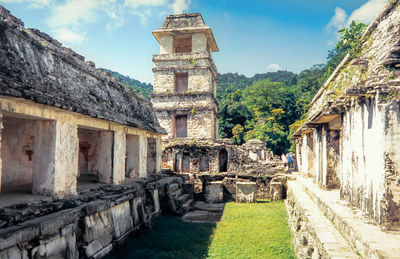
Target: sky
254 36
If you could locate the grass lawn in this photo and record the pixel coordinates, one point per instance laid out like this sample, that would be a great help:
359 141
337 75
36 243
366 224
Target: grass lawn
252 231
246 231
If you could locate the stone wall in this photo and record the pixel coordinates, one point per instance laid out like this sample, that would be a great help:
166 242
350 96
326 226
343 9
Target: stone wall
88 225
252 158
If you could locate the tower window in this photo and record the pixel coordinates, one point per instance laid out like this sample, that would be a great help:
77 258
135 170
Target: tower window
183 44
181 82
181 126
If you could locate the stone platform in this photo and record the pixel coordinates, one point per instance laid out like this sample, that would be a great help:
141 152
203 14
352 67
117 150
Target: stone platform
324 226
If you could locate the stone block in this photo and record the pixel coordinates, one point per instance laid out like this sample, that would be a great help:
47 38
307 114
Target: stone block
57 247
276 191
246 192
122 219
98 231
215 192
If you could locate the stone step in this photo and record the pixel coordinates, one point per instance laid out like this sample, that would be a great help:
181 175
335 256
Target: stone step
202 216
314 236
186 207
182 199
173 187
217 207
361 232
177 193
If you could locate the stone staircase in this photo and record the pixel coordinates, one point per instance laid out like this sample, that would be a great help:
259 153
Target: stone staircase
179 197
324 226
204 212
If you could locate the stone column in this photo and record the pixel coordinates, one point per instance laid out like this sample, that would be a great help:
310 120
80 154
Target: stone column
119 157
104 159
142 156
55 157
158 154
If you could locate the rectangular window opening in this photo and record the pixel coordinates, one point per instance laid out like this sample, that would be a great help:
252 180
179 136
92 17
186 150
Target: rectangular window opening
183 44
181 126
181 82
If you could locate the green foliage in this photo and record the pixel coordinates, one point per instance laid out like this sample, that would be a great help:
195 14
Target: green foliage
142 88
237 134
350 42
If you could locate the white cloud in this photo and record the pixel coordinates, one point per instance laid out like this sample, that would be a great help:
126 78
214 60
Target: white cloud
74 13
180 6
367 12
64 34
68 19
31 3
273 67
338 20
138 3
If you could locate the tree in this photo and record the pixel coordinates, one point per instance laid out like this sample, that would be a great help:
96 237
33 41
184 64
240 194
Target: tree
350 42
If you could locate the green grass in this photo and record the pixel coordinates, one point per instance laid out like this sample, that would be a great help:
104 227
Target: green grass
257 230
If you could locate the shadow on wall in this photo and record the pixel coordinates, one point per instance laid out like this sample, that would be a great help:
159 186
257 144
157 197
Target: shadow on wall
169 238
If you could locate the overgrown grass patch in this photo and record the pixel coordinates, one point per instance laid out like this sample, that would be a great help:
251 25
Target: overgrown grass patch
169 238
257 230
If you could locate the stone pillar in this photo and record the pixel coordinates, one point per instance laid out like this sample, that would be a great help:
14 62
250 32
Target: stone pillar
142 156
215 192
276 190
119 157
55 157
246 192
104 159
158 154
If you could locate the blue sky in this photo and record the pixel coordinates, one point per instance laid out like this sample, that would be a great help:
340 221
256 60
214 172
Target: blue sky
254 36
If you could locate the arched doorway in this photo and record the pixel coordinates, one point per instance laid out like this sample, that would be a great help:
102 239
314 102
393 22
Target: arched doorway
223 160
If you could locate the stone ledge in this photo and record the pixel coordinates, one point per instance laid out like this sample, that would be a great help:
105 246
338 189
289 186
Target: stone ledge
366 236
313 234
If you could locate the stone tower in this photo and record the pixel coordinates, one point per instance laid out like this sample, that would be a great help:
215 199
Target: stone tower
184 95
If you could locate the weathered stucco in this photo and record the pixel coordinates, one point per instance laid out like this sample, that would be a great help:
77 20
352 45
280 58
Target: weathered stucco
198 102
354 122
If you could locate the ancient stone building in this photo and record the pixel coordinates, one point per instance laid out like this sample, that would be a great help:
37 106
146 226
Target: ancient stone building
64 122
184 96
185 102
349 147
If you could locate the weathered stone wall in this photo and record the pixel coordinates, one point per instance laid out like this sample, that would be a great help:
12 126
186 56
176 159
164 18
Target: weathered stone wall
36 67
252 158
355 121
88 225
56 147
198 102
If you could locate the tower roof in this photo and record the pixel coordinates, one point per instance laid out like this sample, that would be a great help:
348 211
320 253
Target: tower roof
187 23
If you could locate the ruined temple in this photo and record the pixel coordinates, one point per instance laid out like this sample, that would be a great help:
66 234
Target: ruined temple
348 153
185 86
80 153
